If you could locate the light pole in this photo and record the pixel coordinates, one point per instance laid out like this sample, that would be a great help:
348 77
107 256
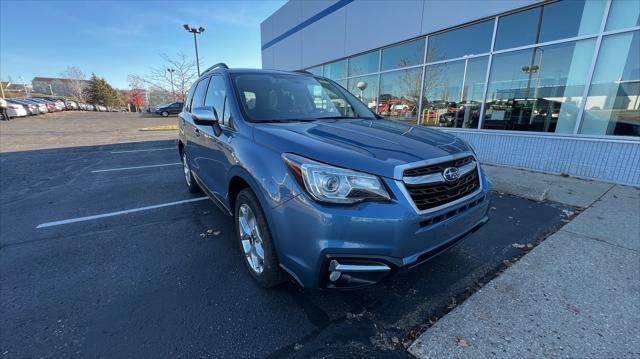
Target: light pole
24 84
362 85
195 31
173 93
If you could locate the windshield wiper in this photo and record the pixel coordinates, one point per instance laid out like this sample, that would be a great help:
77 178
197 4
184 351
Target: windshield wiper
335 117
287 120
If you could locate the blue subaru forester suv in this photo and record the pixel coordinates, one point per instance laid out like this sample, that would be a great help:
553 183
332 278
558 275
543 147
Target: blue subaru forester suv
321 189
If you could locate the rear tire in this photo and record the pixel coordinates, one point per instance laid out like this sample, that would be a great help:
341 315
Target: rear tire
192 185
255 241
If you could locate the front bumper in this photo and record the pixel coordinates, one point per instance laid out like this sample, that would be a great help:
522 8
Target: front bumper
311 237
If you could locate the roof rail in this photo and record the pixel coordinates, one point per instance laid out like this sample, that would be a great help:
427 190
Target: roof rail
219 64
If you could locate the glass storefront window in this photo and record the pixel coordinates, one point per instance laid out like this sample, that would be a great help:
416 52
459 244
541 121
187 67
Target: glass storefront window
623 14
336 70
613 104
366 89
518 29
316 70
452 93
558 20
538 89
565 19
364 64
399 93
469 40
403 55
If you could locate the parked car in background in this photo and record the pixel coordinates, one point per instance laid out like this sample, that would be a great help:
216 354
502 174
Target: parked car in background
31 108
16 110
42 108
51 107
170 109
297 161
70 105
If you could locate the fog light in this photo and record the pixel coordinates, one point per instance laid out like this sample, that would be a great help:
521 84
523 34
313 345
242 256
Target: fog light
334 276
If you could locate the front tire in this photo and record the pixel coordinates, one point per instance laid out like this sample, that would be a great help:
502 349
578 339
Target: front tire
255 241
164 114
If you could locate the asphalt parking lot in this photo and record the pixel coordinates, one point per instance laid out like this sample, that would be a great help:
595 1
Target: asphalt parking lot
101 256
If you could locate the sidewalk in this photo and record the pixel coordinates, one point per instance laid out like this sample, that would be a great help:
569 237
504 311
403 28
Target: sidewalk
577 294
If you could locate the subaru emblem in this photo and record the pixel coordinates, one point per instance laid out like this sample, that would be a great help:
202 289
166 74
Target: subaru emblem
451 174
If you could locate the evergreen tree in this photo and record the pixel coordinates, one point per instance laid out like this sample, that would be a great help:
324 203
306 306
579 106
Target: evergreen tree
99 91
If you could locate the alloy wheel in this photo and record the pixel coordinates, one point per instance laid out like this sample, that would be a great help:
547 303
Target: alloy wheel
251 240
186 169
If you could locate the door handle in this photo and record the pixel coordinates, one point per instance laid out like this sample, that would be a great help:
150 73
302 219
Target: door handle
196 132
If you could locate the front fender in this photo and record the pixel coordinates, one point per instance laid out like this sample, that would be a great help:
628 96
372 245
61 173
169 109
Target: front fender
265 170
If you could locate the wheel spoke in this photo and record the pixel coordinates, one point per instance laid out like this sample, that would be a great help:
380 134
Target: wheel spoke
259 251
245 228
246 246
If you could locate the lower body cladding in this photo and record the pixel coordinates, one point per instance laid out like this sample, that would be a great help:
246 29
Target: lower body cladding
359 245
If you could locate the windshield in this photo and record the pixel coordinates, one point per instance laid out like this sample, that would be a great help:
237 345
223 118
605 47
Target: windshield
289 97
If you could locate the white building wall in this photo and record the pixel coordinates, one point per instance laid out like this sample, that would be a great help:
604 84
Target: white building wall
363 25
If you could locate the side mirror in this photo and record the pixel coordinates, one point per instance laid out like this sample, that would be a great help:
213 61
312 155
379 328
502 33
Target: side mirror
204 115
207 116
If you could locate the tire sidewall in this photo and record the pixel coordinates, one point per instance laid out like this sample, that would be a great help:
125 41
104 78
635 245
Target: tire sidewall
271 274
191 185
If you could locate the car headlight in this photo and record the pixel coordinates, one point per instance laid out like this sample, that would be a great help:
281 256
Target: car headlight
326 183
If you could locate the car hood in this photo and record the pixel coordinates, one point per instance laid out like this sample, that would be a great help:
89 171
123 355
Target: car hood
372 146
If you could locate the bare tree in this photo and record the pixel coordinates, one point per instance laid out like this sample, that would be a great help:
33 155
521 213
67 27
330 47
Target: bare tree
75 83
176 83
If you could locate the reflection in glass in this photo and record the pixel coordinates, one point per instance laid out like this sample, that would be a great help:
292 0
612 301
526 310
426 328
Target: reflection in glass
364 64
613 103
399 93
316 70
518 29
623 14
452 93
336 70
403 55
365 88
538 89
558 20
469 40
564 19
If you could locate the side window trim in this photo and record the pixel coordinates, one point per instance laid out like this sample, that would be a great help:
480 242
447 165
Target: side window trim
193 97
223 121
187 101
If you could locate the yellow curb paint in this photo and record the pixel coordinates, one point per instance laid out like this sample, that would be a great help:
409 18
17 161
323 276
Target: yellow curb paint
160 128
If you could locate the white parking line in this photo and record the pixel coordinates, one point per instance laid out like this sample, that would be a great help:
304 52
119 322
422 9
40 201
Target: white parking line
149 150
118 213
134 168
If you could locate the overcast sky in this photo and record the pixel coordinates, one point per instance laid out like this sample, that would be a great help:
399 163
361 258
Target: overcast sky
118 38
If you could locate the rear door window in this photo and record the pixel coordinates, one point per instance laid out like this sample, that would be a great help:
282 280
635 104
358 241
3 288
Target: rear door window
216 98
199 94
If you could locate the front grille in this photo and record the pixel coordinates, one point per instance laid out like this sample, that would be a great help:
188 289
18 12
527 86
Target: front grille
437 168
432 195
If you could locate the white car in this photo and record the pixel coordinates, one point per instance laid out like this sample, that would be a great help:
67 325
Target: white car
15 110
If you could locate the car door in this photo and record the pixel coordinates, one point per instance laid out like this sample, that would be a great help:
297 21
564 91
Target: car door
193 131
175 108
218 157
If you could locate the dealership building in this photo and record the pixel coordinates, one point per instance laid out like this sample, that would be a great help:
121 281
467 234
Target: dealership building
551 86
